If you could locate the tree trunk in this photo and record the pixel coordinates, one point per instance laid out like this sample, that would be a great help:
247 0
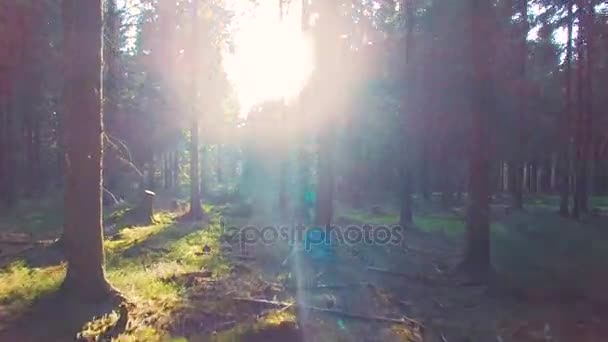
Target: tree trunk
405 215
325 189
220 164
166 159
175 170
476 261
196 210
533 171
152 173
424 171
83 234
564 160
515 184
580 194
6 192
588 123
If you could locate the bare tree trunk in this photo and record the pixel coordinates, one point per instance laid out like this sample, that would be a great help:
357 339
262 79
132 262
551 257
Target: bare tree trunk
175 170
6 181
220 164
83 234
588 123
564 160
325 189
196 210
476 261
405 215
519 161
515 184
166 160
580 139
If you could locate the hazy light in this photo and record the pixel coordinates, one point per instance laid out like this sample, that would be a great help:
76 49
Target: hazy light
272 59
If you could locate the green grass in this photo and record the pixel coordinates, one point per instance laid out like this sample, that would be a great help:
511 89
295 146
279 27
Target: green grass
20 284
535 248
552 201
448 224
140 261
37 217
366 217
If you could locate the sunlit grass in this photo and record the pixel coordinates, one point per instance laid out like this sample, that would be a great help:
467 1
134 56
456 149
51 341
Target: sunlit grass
247 331
147 334
128 237
20 284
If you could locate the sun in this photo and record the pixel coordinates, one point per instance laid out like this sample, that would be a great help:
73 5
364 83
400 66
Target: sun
272 58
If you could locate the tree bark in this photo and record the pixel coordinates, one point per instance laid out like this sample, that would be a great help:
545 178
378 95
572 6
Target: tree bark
175 169
405 215
476 261
325 188
580 195
515 184
564 156
196 210
83 234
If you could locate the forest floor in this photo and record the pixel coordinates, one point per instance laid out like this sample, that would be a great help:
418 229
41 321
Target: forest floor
185 282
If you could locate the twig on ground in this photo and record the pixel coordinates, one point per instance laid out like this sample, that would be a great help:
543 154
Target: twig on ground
403 320
16 253
241 256
419 278
405 303
328 286
261 301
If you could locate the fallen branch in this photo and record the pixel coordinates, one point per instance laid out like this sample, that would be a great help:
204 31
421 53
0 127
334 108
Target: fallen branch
403 320
429 252
261 301
419 278
381 319
328 286
241 257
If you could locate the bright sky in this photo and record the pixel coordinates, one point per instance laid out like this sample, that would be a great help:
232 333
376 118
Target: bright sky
272 59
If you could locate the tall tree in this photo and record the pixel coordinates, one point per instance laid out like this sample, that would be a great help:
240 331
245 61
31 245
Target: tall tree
196 210
326 37
522 109
83 234
405 215
476 261
564 160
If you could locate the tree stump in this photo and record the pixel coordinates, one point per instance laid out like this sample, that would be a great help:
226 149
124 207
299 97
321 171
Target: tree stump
144 213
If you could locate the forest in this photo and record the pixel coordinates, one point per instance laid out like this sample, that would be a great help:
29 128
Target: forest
303 170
